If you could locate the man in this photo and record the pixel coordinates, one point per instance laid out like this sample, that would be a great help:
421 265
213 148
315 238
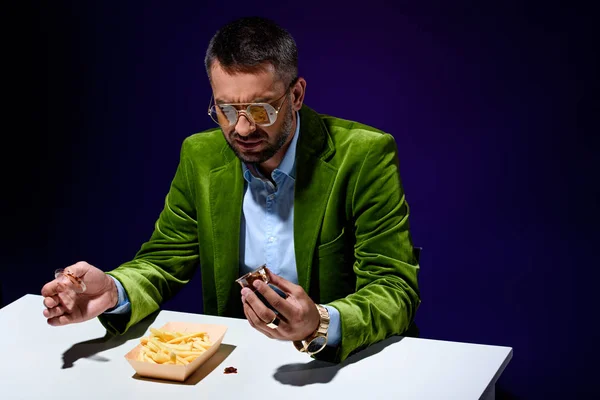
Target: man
317 199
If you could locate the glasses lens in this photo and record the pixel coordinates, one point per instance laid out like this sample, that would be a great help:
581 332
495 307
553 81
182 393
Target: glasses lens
262 114
224 115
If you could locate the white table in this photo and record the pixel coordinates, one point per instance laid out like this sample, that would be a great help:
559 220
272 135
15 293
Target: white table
38 361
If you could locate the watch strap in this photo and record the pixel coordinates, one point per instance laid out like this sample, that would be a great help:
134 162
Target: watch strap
321 331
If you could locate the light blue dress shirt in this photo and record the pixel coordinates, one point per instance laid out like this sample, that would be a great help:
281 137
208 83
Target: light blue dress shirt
267 228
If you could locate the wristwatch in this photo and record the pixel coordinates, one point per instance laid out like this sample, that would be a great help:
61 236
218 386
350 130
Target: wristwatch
318 339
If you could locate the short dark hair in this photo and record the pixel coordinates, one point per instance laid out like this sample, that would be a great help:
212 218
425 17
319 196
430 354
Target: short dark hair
250 44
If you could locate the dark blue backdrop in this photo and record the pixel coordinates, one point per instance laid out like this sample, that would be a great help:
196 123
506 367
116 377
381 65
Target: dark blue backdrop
494 111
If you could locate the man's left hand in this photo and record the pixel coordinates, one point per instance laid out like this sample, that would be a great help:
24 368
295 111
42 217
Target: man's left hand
298 314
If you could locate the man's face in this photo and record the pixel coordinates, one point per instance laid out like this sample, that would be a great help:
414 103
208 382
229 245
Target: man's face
250 142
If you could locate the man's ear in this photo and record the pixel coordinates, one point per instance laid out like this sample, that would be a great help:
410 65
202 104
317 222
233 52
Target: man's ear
297 94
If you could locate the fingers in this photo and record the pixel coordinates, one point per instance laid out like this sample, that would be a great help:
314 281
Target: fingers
58 304
54 312
264 314
283 284
55 286
61 320
52 301
51 288
275 300
256 322
259 316
60 297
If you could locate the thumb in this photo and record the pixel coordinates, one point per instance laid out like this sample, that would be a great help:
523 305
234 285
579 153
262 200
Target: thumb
283 284
60 283
79 269
73 276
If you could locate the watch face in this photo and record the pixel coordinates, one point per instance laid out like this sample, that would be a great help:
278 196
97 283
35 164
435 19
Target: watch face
316 344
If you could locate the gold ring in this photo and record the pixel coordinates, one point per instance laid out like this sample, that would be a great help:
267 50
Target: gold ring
275 323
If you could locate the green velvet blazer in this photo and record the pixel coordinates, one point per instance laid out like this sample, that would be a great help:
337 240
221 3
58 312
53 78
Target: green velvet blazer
351 232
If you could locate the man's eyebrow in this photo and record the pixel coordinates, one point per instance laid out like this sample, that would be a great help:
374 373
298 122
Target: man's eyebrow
265 99
262 100
221 101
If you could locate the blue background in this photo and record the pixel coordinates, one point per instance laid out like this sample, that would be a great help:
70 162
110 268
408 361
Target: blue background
494 109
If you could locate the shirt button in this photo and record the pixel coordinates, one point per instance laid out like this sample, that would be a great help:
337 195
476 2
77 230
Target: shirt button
271 239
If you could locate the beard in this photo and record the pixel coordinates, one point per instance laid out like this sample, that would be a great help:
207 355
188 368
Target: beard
269 146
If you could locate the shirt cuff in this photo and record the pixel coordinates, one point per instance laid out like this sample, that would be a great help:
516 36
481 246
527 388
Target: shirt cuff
334 333
123 305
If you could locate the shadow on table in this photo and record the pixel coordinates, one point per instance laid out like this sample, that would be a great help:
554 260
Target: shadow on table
90 348
318 371
209 366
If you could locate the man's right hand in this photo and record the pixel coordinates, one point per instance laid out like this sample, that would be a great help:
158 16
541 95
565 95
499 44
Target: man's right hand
65 306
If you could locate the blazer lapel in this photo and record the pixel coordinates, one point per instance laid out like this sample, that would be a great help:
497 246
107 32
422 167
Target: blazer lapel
314 181
226 193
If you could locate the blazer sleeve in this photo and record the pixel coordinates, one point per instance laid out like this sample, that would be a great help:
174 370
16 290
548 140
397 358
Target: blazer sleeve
386 265
167 261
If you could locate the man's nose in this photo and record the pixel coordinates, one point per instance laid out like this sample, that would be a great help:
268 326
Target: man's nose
244 126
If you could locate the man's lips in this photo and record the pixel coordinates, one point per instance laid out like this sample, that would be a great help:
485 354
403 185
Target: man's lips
249 145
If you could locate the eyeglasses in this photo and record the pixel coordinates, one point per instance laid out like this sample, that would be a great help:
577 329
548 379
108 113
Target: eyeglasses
262 114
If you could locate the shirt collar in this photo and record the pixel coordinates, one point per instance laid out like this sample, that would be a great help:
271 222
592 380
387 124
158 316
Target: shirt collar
288 164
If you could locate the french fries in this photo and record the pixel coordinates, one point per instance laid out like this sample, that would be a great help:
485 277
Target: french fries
180 348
